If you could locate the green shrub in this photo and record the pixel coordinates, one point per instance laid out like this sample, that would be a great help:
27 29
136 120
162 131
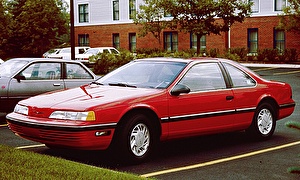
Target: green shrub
213 52
106 62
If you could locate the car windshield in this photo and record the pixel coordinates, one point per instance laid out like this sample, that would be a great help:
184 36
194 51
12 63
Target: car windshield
65 50
10 67
91 51
144 74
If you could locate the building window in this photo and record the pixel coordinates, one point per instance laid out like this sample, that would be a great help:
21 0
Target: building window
132 42
255 6
279 40
116 40
171 41
253 40
202 43
132 8
280 5
83 13
83 40
116 10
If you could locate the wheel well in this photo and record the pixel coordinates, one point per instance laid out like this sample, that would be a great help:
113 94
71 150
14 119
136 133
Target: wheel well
148 112
273 103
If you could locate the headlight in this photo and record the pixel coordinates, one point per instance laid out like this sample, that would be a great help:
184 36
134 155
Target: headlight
70 115
21 109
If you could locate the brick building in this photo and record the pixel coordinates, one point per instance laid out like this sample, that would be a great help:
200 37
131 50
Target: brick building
108 23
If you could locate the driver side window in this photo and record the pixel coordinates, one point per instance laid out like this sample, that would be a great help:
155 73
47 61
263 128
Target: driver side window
204 77
42 71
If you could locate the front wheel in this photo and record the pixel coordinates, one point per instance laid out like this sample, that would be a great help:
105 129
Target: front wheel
135 139
263 123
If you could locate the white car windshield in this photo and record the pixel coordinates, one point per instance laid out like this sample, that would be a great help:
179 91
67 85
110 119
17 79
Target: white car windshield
144 74
10 67
92 51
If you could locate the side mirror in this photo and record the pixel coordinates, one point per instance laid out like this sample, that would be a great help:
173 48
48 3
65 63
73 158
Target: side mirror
179 88
20 77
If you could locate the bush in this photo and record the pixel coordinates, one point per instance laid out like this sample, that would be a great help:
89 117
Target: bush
213 52
106 62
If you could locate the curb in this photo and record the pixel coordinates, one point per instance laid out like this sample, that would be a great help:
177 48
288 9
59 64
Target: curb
272 65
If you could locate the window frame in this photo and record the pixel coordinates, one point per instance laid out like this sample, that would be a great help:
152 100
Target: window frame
193 42
171 45
132 44
116 10
116 40
251 41
84 14
278 7
132 8
280 42
255 6
83 40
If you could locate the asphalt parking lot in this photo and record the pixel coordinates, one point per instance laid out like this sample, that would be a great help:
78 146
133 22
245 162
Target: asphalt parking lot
223 156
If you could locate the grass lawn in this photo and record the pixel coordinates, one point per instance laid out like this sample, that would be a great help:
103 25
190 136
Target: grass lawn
20 164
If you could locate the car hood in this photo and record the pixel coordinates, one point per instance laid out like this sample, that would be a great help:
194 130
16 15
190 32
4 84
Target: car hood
91 96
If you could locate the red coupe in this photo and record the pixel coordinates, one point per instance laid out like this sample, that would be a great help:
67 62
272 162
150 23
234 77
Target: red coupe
152 100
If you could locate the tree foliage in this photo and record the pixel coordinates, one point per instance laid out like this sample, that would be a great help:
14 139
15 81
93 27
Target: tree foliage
34 26
151 16
290 19
201 17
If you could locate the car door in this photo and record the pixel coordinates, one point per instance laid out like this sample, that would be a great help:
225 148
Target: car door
37 78
209 107
246 95
76 75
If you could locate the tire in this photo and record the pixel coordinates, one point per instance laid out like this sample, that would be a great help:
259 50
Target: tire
135 139
263 123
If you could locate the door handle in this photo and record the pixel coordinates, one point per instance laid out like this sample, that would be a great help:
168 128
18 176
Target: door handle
229 98
56 84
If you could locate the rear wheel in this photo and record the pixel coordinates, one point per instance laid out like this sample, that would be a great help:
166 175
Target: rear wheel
263 123
135 139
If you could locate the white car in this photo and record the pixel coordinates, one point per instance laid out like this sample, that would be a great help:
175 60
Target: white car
51 52
84 58
65 53
1 61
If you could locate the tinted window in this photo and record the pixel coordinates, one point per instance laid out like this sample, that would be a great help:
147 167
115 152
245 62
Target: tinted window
76 71
238 77
42 71
204 76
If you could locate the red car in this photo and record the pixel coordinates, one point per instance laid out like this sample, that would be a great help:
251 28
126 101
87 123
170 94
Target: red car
152 100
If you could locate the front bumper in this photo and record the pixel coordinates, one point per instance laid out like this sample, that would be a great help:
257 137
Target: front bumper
84 137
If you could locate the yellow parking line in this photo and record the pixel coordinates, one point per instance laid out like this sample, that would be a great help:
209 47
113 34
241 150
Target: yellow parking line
289 72
219 160
265 69
3 125
30 146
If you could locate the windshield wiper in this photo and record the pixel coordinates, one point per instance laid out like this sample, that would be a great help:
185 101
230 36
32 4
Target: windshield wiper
97 83
121 84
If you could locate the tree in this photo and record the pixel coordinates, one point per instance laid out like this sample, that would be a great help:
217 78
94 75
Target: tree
289 20
152 18
4 18
201 17
36 26
204 17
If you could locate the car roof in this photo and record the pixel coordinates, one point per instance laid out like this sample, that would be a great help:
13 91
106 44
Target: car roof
102 48
44 60
189 60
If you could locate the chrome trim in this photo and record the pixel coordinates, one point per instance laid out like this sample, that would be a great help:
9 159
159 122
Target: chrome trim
207 114
287 105
60 126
